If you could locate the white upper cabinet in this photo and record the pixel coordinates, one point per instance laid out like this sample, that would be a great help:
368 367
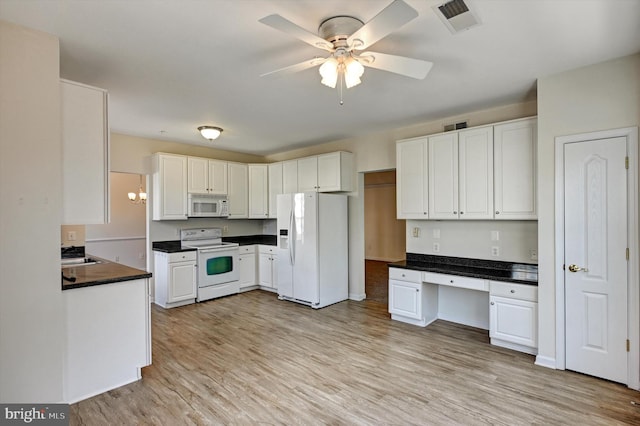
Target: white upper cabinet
475 173
207 176
290 177
169 196
326 173
238 181
275 187
461 175
443 176
515 169
85 154
411 179
258 191
308 174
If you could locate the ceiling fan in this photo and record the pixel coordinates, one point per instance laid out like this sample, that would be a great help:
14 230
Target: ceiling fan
346 38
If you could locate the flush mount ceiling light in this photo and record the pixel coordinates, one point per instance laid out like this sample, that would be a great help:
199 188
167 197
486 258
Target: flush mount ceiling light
346 38
210 132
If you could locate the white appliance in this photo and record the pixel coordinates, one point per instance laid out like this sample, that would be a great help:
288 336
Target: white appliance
313 248
203 205
216 262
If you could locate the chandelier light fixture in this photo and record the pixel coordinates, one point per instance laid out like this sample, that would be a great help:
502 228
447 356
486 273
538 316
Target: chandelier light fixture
210 132
140 197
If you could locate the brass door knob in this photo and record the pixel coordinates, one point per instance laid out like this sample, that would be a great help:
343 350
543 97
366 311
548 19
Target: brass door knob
576 268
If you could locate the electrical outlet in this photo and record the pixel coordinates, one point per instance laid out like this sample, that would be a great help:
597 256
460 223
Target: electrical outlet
495 235
495 251
117 259
436 247
436 233
225 229
415 232
141 255
71 236
533 253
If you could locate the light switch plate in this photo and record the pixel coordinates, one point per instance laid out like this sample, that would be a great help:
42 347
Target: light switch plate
495 235
436 233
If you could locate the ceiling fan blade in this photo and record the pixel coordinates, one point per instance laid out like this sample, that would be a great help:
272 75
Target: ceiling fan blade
384 23
296 67
415 68
286 26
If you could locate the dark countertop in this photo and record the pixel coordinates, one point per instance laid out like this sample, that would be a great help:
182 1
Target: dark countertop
244 240
99 274
521 273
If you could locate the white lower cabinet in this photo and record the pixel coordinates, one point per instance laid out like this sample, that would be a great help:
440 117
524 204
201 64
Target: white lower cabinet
513 316
175 278
410 300
267 268
247 267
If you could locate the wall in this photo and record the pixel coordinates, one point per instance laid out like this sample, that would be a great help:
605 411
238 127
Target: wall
598 97
384 234
32 315
123 239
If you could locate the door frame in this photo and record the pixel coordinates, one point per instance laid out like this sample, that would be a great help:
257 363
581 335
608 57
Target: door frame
633 292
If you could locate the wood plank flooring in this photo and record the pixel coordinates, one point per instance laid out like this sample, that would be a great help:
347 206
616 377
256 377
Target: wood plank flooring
252 359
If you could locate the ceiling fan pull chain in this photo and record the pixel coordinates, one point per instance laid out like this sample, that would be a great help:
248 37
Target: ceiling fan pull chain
341 78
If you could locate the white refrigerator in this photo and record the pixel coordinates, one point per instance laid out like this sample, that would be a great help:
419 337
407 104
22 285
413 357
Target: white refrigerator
313 248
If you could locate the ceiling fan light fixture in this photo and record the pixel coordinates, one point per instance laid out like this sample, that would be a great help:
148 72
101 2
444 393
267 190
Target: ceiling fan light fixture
210 132
329 72
353 70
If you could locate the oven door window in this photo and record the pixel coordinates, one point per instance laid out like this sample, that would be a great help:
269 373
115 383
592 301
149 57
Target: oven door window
219 265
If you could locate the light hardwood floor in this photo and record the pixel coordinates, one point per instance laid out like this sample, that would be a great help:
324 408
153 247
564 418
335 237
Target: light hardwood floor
252 359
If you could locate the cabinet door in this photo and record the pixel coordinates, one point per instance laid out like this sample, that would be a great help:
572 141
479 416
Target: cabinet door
247 269
405 299
308 174
198 175
443 176
182 281
411 179
265 270
475 173
258 191
515 170
217 177
514 321
335 172
289 176
238 191
275 187
169 187
85 154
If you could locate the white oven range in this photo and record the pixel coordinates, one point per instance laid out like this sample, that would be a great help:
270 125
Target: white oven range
216 262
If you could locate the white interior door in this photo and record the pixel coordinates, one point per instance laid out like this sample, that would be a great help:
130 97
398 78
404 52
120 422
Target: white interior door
595 240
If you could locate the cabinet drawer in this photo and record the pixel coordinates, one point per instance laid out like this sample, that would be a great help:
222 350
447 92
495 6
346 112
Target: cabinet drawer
455 281
405 275
267 249
182 256
247 249
514 291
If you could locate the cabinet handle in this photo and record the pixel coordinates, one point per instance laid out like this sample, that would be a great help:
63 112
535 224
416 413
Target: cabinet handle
461 212
497 212
424 212
455 212
513 291
492 303
451 281
417 289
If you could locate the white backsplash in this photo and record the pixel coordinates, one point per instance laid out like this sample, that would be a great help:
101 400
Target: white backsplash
512 241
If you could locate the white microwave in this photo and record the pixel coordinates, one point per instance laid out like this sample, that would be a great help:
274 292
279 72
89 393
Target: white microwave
202 205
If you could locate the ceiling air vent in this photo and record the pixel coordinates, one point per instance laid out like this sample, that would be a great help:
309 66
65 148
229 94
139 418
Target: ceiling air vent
455 126
457 15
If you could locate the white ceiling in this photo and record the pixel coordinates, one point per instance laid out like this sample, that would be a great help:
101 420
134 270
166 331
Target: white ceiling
173 65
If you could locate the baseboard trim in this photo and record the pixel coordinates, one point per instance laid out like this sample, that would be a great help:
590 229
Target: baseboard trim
545 361
357 297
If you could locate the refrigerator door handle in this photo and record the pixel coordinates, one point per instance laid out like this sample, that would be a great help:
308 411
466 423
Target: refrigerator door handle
292 238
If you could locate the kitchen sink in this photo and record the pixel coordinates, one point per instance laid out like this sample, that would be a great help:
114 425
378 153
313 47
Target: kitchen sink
82 261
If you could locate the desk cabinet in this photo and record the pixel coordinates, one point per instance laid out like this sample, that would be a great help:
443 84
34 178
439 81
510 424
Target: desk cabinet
513 316
411 301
